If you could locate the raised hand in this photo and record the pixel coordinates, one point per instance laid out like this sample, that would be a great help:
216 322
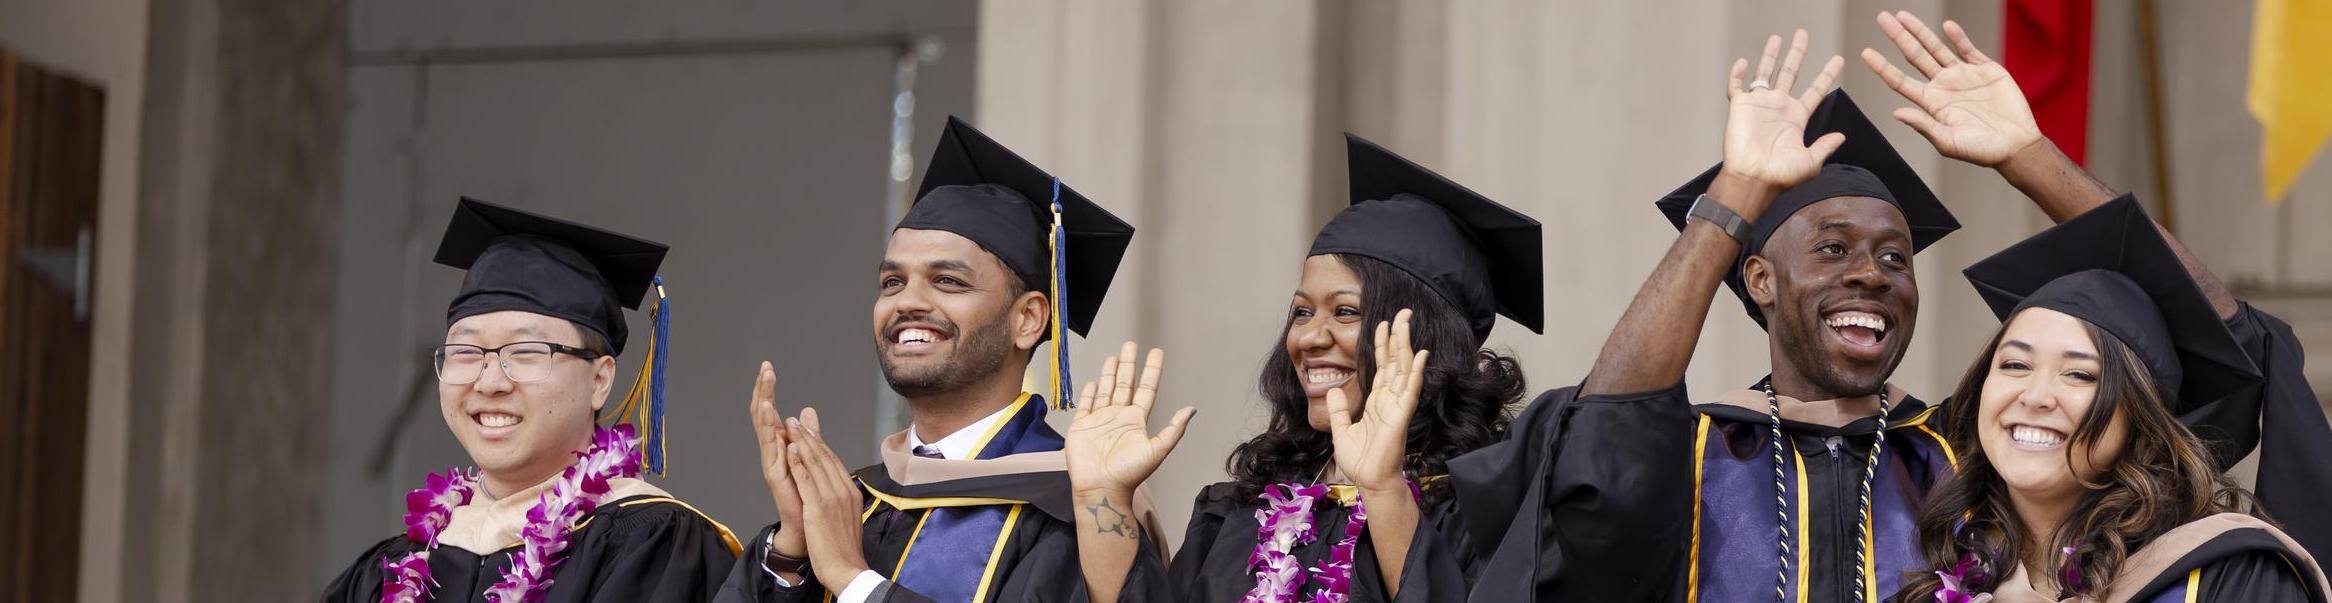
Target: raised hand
1371 448
1110 452
1109 446
1765 127
830 503
1969 108
769 432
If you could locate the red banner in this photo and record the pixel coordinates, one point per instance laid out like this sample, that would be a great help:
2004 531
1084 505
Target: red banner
2046 45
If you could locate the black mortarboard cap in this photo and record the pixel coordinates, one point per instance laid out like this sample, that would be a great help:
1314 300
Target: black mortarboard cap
519 260
2110 267
1477 255
1864 166
982 191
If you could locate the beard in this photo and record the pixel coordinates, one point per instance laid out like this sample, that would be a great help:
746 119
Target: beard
977 354
1801 340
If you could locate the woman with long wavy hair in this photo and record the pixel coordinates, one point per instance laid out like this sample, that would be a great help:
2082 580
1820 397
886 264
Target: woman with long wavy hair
1378 378
2078 481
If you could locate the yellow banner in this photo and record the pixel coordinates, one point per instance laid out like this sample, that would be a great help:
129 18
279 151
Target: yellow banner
2291 87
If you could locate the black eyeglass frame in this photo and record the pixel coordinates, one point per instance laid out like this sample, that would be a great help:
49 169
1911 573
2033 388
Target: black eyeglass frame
437 353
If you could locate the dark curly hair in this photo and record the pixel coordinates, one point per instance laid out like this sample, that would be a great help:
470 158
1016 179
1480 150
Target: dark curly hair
2163 478
1463 405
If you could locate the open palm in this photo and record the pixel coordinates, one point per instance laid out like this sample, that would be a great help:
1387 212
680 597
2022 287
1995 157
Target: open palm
1969 107
1765 126
1108 446
770 433
1372 448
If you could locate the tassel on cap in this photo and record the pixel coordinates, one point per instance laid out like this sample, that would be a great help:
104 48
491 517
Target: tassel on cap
1058 243
643 406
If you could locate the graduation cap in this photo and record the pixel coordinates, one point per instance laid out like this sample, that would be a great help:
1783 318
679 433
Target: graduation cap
528 262
2110 267
1053 238
1864 166
1477 255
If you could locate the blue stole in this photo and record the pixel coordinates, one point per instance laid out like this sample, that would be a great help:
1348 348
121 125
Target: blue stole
951 556
1734 527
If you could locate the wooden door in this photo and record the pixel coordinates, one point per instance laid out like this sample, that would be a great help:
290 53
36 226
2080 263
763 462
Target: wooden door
51 127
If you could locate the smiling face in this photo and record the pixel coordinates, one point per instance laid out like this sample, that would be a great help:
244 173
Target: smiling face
522 433
2041 387
1323 335
1835 283
948 313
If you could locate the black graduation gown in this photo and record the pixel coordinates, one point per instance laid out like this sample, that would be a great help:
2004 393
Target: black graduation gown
2241 566
1583 500
1646 497
1733 545
2222 558
2280 417
1212 565
1037 562
1034 559
639 548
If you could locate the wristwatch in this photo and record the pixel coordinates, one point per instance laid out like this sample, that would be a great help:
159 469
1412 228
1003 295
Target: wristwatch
776 561
1707 208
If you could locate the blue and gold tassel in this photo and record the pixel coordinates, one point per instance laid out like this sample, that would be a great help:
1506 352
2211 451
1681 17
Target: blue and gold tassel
643 406
1058 244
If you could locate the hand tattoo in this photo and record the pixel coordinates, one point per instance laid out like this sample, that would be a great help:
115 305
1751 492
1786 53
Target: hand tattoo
1108 520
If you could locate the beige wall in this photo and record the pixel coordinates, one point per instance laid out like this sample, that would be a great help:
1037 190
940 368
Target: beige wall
1213 125
104 41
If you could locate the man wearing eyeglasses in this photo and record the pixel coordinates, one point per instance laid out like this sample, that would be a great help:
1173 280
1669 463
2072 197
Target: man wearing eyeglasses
554 509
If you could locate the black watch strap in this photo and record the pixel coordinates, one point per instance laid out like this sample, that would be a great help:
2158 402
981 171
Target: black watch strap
1733 225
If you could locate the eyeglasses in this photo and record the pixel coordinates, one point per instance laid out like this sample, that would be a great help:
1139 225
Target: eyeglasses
522 362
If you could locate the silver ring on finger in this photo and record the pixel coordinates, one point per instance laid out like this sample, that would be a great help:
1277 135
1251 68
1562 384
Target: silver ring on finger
1760 85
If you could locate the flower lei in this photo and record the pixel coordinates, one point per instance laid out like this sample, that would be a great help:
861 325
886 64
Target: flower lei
1967 571
575 494
1970 571
1286 521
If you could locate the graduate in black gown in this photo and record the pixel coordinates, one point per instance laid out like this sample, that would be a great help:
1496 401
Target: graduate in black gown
1630 488
2076 478
1973 111
971 503
528 363
1378 378
1828 274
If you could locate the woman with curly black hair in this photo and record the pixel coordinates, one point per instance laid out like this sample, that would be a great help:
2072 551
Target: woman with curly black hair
2077 479
1378 378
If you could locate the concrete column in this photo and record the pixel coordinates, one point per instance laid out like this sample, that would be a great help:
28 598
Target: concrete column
1196 121
228 407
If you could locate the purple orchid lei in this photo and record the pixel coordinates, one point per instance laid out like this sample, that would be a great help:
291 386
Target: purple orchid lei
1954 589
574 495
1284 522
1334 575
427 510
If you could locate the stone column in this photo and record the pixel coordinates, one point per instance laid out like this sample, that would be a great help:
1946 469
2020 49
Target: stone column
1200 123
229 398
